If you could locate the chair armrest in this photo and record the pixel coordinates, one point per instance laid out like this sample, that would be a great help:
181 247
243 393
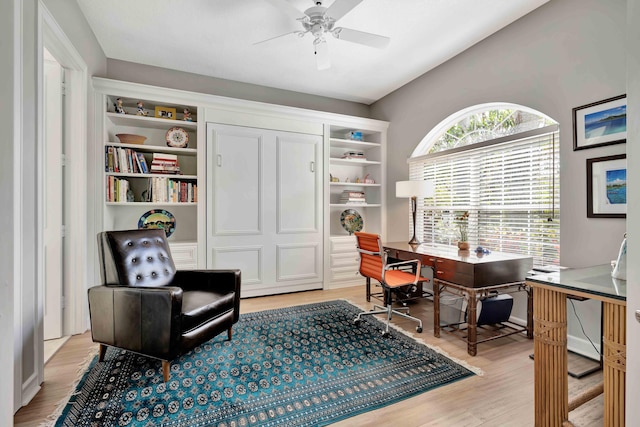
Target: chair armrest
144 320
219 280
412 261
222 281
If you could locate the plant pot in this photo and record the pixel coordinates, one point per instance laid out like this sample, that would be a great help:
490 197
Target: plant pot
463 246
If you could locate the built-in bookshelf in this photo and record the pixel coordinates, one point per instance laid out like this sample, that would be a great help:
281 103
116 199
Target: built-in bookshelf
356 186
150 177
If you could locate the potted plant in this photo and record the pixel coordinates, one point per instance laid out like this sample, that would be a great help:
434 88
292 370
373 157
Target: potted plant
463 230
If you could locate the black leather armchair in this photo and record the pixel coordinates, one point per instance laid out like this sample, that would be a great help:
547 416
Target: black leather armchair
144 305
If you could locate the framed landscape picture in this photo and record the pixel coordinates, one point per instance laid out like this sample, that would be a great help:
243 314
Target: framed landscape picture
600 123
607 187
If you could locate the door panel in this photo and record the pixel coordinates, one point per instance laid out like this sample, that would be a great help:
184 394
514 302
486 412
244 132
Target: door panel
265 192
247 259
237 204
298 262
298 200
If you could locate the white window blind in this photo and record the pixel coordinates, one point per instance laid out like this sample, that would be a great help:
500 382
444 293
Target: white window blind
509 186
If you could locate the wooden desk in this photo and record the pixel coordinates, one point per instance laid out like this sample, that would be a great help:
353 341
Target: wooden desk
550 293
473 274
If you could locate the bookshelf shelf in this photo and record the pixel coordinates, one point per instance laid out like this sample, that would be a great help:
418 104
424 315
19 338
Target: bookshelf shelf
155 149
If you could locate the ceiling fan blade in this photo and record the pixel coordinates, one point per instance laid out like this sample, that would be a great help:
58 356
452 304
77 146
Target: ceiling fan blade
322 55
287 8
298 33
355 36
339 8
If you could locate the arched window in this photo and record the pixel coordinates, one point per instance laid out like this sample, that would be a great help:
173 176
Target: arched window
498 163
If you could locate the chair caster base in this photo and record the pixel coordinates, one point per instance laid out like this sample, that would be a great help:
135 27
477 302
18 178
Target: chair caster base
385 334
419 329
356 321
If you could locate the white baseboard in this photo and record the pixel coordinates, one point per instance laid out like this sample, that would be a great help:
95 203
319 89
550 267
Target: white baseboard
341 285
583 347
29 389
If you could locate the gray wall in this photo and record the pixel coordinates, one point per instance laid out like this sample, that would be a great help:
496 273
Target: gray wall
564 54
146 74
21 275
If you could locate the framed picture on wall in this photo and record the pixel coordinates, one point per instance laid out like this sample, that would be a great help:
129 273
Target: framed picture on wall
607 187
600 123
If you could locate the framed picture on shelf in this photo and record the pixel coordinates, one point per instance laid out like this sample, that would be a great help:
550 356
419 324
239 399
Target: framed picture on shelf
165 113
607 187
600 123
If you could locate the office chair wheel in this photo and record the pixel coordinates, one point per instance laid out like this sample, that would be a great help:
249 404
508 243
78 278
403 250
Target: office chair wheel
356 321
385 334
418 329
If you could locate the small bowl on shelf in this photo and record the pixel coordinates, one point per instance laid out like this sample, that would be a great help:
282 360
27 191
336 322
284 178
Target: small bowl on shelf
127 138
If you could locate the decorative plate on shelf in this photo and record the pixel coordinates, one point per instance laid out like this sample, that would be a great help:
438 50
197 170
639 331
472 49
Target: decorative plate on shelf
158 218
177 137
351 221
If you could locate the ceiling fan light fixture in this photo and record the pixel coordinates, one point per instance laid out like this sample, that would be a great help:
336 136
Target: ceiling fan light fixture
319 20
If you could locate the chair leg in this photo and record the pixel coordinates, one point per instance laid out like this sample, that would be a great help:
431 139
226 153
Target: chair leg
229 333
101 353
389 311
368 287
166 374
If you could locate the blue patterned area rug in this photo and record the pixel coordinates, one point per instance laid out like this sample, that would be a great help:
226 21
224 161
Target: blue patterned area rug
306 365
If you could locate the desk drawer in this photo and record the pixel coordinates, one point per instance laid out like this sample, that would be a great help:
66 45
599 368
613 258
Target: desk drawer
343 245
453 271
345 274
425 260
345 260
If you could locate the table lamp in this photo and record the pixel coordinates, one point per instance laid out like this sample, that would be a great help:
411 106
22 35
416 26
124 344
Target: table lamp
414 189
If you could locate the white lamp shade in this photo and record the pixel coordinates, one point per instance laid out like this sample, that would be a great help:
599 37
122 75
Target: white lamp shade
415 188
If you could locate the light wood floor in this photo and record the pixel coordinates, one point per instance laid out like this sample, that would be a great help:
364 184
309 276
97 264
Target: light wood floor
503 396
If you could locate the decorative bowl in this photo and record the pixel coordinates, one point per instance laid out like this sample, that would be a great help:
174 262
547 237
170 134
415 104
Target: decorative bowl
127 138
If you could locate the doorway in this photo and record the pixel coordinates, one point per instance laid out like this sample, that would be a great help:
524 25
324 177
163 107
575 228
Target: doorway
62 195
54 111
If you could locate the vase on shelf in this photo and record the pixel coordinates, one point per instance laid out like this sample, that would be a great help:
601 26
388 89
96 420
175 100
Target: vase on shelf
463 246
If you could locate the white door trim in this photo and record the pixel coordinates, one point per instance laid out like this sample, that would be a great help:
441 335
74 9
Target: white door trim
50 34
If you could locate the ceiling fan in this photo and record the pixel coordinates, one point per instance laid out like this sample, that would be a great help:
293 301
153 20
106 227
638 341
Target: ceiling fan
320 21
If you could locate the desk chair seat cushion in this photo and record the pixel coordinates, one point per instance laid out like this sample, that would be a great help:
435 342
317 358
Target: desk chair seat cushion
398 278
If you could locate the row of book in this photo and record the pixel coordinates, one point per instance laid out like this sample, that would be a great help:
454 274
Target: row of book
167 190
118 190
159 190
351 197
127 160
124 160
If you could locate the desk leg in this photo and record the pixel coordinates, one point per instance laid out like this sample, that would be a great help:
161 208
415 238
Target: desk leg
529 291
436 308
472 328
614 359
551 395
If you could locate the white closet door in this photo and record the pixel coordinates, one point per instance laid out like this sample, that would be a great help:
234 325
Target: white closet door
265 207
299 208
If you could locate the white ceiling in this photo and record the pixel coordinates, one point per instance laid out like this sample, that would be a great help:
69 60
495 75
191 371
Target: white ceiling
216 38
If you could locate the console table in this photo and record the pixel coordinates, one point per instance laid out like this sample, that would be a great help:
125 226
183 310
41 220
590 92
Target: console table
550 291
472 274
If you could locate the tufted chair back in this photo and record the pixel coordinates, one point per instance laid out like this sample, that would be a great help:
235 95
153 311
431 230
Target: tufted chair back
135 258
